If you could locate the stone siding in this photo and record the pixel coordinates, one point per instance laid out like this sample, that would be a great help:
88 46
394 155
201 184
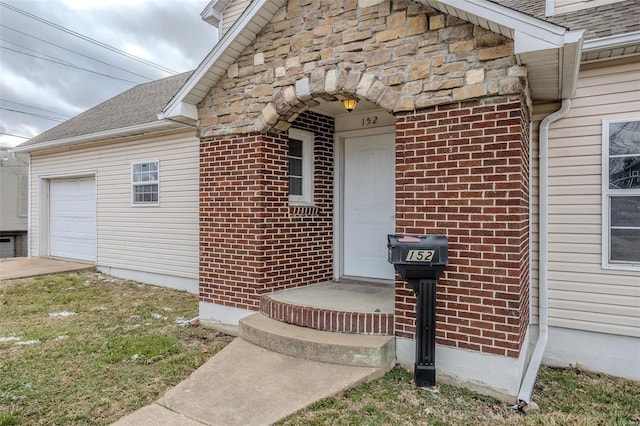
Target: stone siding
398 54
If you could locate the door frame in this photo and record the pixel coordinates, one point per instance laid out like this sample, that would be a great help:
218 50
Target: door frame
338 198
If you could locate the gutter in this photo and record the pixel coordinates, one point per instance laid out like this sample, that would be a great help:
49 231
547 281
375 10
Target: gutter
526 387
136 130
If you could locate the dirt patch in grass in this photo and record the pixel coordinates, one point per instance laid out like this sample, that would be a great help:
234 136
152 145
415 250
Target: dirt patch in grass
89 348
566 397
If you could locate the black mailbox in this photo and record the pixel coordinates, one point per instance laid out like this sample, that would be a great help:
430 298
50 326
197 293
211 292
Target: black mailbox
420 260
417 257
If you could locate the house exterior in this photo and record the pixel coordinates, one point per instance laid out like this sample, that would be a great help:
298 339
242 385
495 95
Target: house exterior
511 127
493 123
13 203
117 186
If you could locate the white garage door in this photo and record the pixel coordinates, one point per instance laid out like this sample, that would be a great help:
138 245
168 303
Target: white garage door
72 220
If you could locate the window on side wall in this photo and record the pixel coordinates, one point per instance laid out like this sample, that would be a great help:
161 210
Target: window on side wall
300 167
145 181
621 193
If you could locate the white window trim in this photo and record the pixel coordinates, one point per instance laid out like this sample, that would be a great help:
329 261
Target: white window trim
606 193
307 197
134 184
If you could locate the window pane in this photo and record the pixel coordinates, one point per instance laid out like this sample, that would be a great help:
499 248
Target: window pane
625 211
295 167
624 138
145 172
295 186
145 194
295 148
624 173
625 245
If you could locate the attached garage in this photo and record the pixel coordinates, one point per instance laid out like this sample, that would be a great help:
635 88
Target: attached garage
72 218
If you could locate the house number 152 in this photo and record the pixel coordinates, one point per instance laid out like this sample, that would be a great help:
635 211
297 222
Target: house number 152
369 121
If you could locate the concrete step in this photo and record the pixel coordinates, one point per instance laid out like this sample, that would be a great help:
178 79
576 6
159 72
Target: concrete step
323 346
341 307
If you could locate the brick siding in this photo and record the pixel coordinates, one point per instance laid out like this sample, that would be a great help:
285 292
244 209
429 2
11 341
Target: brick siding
251 240
462 171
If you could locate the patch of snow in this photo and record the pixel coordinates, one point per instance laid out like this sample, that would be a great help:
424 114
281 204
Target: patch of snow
182 322
63 314
135 357
158 316
28 342
62 337
9 339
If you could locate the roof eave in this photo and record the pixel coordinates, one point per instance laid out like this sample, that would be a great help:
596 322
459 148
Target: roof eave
216 63
137 130
611 47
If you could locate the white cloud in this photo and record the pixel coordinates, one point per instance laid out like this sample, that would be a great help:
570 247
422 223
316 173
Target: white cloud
169 33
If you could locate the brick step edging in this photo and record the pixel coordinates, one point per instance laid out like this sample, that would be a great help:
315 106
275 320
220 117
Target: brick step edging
370 323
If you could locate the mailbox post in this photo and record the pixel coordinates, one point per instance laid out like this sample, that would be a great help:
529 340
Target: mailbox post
420 260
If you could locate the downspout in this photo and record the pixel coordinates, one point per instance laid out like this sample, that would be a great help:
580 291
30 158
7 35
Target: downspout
526 387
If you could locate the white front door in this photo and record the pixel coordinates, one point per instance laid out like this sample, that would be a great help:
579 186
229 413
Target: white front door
369 205
72 218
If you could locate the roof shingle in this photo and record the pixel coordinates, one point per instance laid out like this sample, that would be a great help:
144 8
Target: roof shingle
136 106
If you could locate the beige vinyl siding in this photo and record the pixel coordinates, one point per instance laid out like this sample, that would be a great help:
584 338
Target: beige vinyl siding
583 295
232 13
157 239
564 6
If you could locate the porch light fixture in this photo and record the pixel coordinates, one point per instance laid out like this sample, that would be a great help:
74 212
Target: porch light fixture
349 104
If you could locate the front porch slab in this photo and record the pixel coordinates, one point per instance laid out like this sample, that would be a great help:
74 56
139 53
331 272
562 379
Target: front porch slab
343 307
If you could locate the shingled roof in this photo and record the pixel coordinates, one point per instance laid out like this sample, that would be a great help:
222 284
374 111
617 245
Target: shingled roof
601 21
137 106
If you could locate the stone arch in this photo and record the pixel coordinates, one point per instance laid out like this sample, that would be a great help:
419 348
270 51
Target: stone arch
324 86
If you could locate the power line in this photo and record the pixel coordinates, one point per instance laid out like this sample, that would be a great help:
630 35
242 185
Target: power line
89 39
17 136
74 52
34 107
69 65
33 114
44 55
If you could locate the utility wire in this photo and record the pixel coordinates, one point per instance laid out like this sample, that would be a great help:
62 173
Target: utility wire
74 52
33 114
34 107
89 39
17 136
69 65
44 55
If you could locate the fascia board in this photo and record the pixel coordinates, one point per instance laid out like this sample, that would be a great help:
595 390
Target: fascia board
105 135
180 109
611 42
212 13
570 60
232 41
529 27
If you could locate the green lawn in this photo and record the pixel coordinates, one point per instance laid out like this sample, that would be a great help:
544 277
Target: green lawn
566 397
89 348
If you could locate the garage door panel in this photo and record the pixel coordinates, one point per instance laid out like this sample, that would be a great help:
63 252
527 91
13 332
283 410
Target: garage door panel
72 221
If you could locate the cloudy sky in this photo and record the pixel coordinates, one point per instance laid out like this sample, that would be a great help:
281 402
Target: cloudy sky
54 63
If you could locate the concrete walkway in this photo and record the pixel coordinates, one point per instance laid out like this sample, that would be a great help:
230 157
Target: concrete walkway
245 384
24 267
